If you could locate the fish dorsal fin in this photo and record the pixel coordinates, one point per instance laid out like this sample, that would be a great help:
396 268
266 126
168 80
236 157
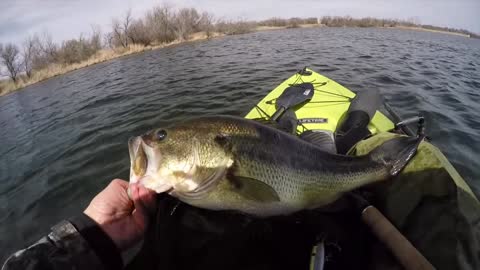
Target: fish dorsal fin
253 189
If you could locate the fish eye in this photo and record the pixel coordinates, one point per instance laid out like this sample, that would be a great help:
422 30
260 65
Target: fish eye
161 134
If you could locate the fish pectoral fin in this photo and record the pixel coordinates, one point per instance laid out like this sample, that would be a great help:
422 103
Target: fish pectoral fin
223 140
405 156
253 189
396 153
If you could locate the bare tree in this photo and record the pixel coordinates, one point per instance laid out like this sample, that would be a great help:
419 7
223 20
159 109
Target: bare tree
206 23
234 27
10 56
45 51
117 34
47 46
96 37
160 20
80 49
127 20
109 40
139 33
72 51
120 29
186 22
28 53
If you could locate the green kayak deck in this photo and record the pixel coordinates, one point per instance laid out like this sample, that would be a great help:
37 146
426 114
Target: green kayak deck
330 102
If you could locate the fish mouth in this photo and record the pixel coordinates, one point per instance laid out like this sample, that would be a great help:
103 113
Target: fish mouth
138 159
143 170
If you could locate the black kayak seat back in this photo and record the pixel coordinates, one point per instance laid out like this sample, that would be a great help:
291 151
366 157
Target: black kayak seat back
353 121
367 101
354 128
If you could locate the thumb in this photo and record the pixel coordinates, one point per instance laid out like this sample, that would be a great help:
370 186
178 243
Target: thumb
145 205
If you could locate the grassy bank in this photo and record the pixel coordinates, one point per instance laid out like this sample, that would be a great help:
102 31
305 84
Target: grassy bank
430 30
8 86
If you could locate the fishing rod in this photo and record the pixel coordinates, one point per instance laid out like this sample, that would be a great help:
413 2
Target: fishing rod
402 249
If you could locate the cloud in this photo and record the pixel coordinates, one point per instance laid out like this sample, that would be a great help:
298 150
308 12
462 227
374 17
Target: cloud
63 19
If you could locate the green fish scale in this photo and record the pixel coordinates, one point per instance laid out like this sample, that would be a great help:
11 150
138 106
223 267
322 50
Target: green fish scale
304 186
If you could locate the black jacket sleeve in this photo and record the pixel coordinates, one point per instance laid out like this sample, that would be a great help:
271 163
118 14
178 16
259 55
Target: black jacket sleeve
76 244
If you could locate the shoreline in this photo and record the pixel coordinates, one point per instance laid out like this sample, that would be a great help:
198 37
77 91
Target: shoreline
273 28
104 55
414 28
410 28
7 86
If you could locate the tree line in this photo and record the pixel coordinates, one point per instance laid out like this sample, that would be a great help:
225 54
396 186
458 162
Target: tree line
347 21
289 23
161 24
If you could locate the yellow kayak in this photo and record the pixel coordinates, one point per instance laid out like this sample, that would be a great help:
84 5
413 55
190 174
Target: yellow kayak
429 202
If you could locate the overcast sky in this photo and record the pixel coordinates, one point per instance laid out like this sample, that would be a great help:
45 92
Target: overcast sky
68 18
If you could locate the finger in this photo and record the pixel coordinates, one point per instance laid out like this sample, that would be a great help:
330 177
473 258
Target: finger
129 192
140 215
144 197
138 183
120 182
148 198
120 187
130 189
119 191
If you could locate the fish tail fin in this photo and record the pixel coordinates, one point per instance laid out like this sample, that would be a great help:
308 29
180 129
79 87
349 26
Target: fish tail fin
396 153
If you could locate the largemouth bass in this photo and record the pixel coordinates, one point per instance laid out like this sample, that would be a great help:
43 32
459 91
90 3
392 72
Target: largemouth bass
233 163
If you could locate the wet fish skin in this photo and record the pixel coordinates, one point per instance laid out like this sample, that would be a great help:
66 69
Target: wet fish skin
238 164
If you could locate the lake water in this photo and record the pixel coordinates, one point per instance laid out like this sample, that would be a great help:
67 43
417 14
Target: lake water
64 139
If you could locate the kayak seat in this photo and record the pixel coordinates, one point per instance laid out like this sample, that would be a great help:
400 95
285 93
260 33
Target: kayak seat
320 138
367 101
355 126
357 121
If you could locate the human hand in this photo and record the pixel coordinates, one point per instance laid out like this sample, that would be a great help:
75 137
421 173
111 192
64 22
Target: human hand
123 218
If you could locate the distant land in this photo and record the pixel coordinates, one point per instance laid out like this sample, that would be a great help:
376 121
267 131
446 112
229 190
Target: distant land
39 58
